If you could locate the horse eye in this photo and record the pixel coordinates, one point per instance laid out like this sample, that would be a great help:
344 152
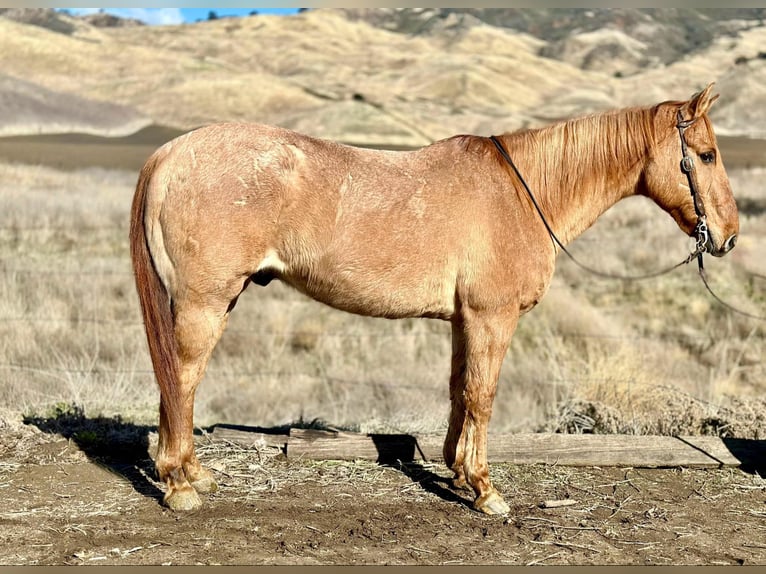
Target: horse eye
707 157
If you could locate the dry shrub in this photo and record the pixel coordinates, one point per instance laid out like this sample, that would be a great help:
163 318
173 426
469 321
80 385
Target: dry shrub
669 412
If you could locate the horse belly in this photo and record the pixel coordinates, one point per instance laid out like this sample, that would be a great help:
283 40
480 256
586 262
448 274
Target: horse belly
393 294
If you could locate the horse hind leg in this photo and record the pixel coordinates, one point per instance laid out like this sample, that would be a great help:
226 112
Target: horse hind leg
198 327
454 444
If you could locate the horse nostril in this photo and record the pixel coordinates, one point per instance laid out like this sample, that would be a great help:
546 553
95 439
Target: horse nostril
730 243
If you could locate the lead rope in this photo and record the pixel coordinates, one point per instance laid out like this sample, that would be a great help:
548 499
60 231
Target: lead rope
698 249
700 231
703 276
687 166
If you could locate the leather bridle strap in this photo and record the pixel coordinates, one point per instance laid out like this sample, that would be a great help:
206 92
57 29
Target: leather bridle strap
687 164
701 232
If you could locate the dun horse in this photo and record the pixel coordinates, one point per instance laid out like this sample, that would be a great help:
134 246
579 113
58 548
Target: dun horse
447 231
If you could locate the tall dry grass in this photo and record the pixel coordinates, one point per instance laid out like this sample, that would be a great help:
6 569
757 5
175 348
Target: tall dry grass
70 328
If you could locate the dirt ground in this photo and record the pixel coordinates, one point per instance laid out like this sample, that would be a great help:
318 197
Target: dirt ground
78 491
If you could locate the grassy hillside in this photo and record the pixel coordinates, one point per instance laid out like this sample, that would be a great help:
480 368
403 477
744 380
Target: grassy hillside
331 74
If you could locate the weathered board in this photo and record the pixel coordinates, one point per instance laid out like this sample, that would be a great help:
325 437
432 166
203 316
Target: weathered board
560 449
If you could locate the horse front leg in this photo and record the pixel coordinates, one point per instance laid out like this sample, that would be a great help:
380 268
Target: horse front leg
485 340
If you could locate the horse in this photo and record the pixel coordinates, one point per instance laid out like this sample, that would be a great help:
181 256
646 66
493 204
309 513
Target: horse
445 231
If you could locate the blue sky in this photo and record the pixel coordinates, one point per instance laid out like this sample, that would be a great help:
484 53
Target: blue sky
179 15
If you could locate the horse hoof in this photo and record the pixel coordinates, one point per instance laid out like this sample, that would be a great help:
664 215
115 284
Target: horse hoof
183 499
491 503
205 484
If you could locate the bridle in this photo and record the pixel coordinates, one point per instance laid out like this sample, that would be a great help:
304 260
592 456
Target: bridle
700 233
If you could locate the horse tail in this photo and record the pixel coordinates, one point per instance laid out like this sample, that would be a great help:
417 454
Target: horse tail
155 302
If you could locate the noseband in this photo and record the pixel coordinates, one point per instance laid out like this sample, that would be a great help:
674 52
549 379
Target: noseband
701 233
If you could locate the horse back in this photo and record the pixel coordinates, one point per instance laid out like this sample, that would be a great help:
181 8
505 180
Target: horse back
373 232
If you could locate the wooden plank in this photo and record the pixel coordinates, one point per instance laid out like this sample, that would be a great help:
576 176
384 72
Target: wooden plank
337 445
589 450
535 448
240 435
597 450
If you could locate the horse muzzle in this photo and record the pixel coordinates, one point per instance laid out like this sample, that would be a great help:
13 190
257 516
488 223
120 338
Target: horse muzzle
727 246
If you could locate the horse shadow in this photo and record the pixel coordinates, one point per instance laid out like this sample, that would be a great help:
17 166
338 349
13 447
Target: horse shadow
750 453
119 447
402 452
432 482
123 449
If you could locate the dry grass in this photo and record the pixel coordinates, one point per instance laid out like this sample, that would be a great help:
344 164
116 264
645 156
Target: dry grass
642 351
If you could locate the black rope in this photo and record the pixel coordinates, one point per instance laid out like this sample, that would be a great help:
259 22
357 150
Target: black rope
703 276
698 251
607 275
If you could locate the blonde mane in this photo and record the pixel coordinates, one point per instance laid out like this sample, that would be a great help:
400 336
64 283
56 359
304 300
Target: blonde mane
579 161
595 144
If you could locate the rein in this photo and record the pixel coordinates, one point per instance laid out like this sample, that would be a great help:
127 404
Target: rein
701 232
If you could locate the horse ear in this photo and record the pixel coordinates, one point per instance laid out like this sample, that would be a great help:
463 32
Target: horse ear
700 102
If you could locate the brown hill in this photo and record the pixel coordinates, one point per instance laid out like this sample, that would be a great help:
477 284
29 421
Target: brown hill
27 108
401 77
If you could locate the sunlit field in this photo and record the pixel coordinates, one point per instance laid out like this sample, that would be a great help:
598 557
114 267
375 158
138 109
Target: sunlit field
654 356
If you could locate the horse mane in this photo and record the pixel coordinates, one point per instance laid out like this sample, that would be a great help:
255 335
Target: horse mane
584 153
591 143
581 160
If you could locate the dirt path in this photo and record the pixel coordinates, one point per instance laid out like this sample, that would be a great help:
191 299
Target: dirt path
78 496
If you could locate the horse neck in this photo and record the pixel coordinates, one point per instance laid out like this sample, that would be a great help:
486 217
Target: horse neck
580 168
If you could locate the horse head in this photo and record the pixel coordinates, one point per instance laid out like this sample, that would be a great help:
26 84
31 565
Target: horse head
685 174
